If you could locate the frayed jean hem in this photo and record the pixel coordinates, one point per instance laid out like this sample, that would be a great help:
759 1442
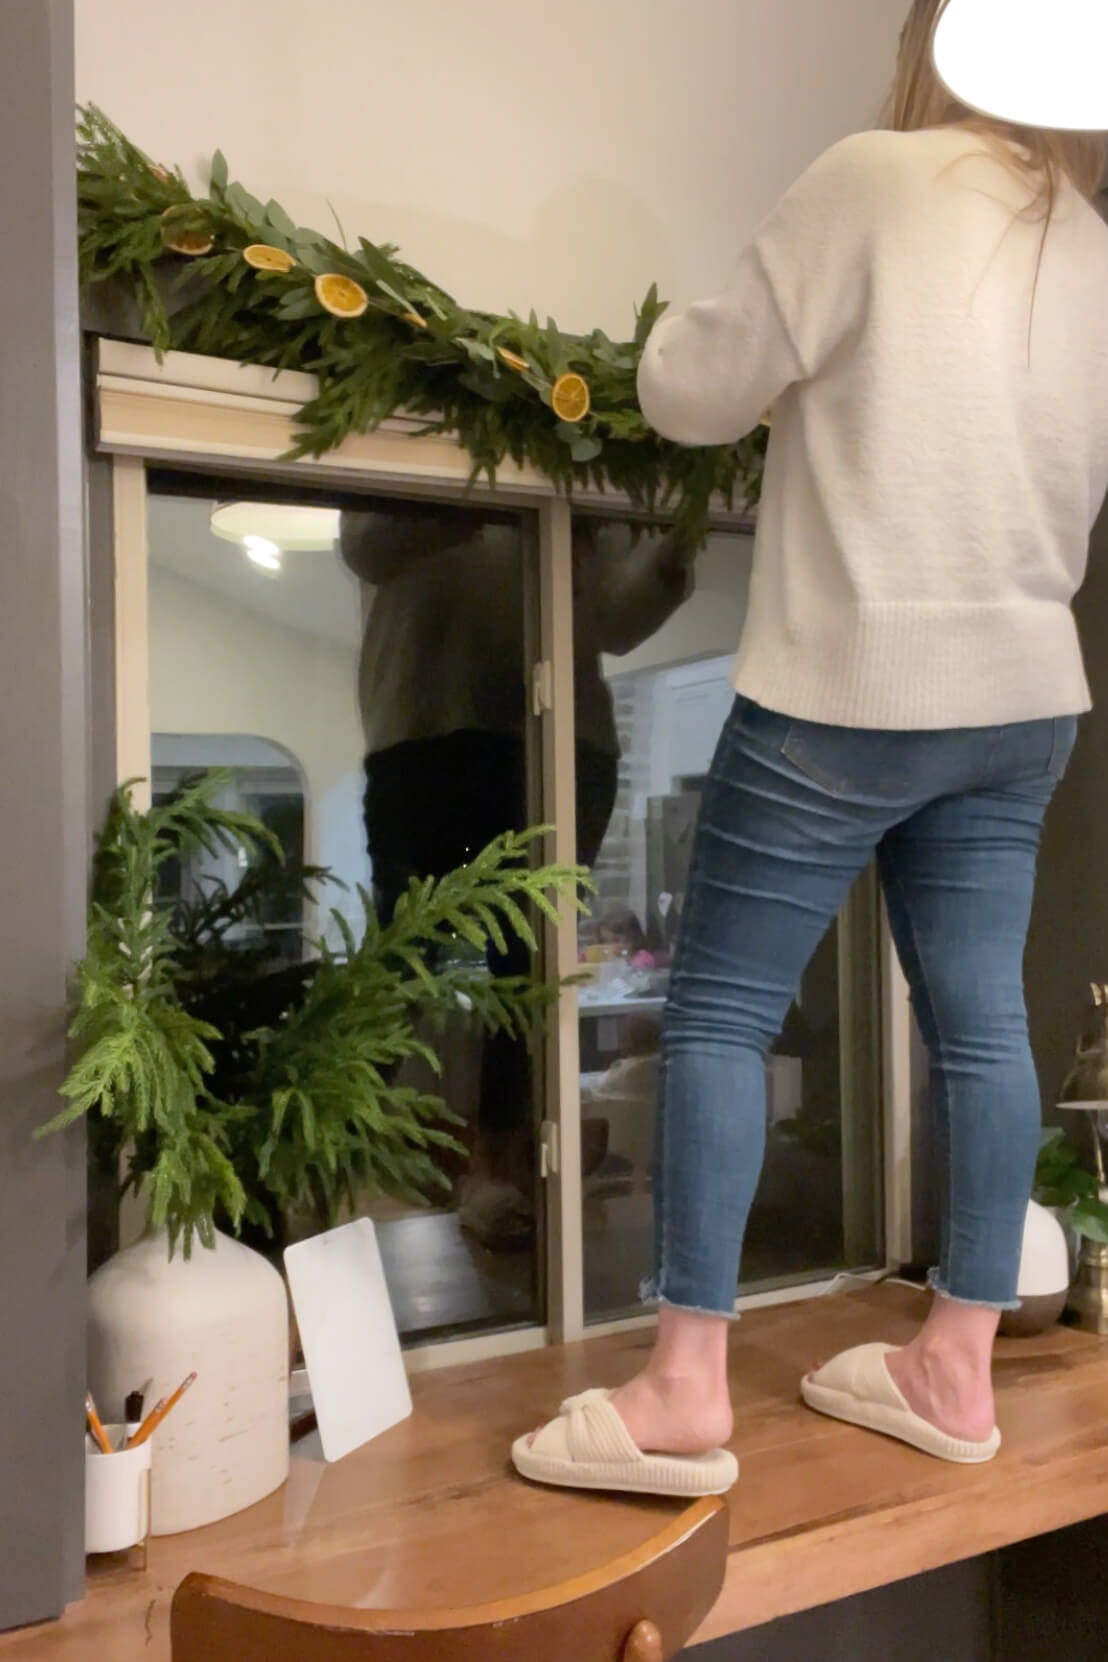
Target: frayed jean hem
934 1282
650 1293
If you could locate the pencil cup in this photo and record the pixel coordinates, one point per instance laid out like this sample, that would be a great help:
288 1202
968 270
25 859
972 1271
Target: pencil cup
117 1492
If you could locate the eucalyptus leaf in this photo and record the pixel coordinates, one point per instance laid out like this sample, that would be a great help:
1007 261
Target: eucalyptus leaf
218 174
478 350
493 389
313 258
387 288
298 305
279 219
245 206
586 450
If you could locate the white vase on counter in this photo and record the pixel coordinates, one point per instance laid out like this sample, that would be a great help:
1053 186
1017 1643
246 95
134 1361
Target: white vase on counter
1044 1279
223 1313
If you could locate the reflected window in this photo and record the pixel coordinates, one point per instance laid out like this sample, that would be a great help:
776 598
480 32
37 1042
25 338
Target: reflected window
265 782
669 692
382 644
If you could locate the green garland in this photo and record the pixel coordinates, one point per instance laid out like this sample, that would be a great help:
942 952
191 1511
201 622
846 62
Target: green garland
411 349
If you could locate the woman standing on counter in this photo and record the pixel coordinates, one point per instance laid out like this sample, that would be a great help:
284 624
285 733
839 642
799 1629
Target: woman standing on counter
925 313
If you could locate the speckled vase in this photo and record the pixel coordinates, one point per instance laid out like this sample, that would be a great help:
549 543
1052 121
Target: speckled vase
222 1312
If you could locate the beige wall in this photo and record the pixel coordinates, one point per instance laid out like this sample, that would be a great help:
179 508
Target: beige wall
524 152
216 667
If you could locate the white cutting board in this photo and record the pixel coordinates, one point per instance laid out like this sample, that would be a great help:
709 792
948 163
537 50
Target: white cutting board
348 1331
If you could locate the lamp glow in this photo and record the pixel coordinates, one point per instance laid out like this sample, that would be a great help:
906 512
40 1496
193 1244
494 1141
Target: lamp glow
292 528
1038 63
263 552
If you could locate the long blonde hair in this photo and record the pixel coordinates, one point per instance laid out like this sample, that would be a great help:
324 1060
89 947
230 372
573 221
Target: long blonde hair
919 99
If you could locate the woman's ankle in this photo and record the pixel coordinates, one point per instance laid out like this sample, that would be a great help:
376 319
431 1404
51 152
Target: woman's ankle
945 1372
689 1345
958 1337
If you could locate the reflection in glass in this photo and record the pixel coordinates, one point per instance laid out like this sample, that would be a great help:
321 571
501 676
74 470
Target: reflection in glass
816 1208
391 683
444 716
441 692
267 783
361 666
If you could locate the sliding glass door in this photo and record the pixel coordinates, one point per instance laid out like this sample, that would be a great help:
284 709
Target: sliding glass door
356 666
654 653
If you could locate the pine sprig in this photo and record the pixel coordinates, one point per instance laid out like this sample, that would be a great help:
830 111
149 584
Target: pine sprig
231 1121
486 379
143 1061
341 1120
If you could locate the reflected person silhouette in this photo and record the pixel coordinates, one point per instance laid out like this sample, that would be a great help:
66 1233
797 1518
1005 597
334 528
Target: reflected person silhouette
442 688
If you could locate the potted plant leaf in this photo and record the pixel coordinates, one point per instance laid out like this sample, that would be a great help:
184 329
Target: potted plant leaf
232 1087
1071 1192
1064 1208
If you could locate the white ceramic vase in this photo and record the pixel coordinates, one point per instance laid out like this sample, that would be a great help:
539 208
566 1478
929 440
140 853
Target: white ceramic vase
1044 1280
222 1312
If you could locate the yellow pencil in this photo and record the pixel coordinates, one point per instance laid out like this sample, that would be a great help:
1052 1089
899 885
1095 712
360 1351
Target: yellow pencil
146 1427
99 1435
157 1414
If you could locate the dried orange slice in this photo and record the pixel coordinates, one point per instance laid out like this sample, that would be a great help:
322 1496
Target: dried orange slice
192 243
184 231
262 256
570 397
341 296
512 359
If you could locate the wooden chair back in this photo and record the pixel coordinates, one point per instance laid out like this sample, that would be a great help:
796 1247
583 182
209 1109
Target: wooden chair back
641 1608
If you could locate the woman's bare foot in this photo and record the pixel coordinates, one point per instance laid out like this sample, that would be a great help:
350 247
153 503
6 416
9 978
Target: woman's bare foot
679 1403
945 1373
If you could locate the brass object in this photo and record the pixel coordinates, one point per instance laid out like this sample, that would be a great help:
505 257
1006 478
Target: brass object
1087 1080
1088 1298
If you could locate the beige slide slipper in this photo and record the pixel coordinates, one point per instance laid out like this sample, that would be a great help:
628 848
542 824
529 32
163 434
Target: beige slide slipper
856 1386
589 1447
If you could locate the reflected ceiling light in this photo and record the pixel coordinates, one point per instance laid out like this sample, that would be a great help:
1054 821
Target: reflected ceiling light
263 552
288 526
1039 63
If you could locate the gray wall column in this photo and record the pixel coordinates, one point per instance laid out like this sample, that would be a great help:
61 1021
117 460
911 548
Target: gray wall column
44 820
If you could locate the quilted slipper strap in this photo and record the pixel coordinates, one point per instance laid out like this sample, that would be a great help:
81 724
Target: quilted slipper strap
595 1432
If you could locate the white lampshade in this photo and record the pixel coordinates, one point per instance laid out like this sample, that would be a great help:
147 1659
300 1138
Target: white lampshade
1040 63
284 527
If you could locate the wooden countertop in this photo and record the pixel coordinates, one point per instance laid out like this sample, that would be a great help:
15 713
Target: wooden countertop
430 1515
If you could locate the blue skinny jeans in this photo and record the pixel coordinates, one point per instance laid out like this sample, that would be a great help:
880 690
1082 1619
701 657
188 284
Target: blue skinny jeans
792 813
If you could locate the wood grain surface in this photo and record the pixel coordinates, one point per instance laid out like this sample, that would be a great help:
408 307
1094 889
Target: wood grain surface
430 1515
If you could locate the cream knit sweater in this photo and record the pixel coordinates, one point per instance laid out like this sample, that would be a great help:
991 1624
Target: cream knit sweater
939 448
